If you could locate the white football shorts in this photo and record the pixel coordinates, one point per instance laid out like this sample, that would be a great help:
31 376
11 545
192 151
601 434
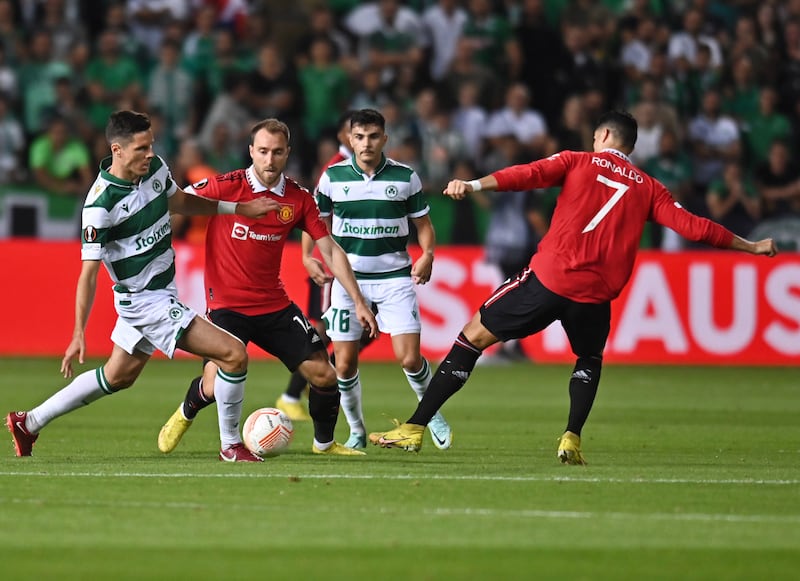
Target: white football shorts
396 300
150 320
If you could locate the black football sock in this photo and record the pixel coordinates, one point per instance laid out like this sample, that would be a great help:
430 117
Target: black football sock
297 384
451 376
323 406
582 391
195 399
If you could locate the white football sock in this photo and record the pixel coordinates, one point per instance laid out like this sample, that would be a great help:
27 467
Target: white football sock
419 380
351 402
229 393
89 386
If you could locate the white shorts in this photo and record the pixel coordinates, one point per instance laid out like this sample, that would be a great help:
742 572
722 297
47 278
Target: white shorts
150 320
396 300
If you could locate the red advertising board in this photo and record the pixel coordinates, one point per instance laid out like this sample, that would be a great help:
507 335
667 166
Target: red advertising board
693 307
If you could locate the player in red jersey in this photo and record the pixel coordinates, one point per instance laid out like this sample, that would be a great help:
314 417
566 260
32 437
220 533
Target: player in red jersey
246 297
581 265
319 292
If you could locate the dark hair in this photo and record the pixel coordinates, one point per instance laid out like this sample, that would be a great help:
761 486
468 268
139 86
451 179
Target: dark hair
344 120
270 126
123 125
622 125
366 117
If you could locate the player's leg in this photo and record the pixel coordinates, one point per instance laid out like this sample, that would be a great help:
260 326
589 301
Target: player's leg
119 372
345 332
290 401
587 327
289 336
228 355
418 374
516 309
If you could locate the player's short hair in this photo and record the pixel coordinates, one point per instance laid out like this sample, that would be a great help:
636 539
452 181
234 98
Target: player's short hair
345 119
123 125
270 126
366 117
622 125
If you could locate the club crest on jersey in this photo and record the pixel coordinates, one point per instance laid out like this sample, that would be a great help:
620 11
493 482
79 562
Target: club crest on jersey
201 184
157 186
391 192
239 231
89 234
286 213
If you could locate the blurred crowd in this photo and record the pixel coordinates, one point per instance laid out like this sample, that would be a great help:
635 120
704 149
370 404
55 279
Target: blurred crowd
466 87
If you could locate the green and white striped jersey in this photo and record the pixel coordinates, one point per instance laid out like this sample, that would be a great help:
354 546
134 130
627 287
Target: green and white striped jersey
126 225
369 215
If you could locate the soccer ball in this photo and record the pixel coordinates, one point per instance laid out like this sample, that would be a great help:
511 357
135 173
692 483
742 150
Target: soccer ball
267 432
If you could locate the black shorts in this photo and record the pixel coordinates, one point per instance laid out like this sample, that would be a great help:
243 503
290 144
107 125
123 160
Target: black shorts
286 334
522 306
319 299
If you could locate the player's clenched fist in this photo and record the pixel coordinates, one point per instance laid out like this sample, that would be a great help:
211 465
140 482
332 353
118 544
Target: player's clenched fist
457 189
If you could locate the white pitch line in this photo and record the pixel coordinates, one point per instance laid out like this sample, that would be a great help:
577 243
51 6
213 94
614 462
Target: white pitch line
493 513
476 477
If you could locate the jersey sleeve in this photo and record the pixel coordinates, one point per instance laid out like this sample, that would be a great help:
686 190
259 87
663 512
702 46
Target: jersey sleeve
543 173
312 222
416 204
667 212
95 225
205 188
323 195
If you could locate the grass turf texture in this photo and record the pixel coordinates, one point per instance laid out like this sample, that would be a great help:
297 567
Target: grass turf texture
693 474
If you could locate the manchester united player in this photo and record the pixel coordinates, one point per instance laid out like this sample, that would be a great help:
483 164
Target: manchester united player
581 265
246 297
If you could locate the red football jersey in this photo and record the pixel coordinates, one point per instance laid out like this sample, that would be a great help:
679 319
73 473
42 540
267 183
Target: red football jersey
588 253
243 255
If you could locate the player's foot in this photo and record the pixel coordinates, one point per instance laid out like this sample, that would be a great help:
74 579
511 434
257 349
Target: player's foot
441 434
238 453
172 432
296 410
569 449
405 436
336 449
23 439
356 441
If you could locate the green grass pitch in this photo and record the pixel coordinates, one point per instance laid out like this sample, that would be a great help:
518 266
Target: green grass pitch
693 474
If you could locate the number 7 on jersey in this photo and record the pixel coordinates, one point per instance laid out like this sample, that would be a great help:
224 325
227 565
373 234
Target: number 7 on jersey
619 191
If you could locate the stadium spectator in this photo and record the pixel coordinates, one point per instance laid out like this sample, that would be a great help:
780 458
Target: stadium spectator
648 139
323 25
112 78
148 19
170 91
741 96
274 88
575 273
765 127
536 37
246 296
149 315
325 88
230 108
62 19
715 141
465 69
12 143
492 40
12 35
59 162
223 153
573 130
370 94
517 118
683 43
469 119
778 182
9 83
673 168
37 78
443 22
733 201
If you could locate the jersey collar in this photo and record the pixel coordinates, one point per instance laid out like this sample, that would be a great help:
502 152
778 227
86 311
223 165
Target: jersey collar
618 153
259 188
105 165
360 171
